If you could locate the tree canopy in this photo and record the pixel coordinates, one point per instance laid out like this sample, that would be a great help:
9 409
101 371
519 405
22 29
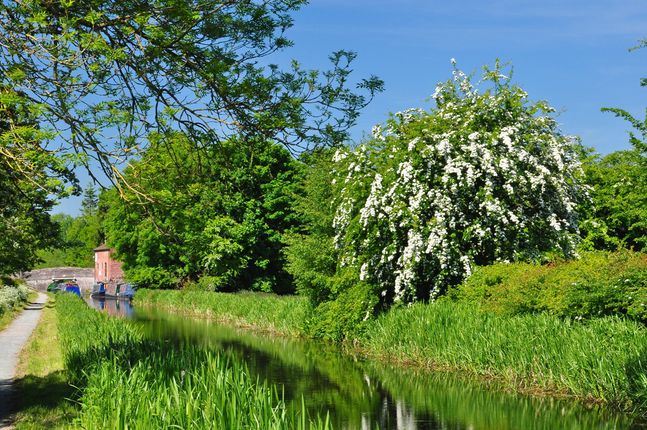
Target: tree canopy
217 214
30 178
101 75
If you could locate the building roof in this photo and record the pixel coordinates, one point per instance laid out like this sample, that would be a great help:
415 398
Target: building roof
101 248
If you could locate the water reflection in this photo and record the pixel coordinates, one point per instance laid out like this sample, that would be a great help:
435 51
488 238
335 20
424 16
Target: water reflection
366 395
113 307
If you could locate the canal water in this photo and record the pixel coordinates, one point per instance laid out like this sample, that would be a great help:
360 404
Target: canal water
359 394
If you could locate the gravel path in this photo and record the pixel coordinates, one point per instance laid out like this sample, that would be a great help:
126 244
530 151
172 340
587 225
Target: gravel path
12 340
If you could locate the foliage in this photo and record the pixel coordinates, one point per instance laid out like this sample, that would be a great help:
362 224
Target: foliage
30 179
78 236
339 303
596 285
342 318
603 358
12 297
485 176
311 255
619 183
639 140
105 74
218 212
618 212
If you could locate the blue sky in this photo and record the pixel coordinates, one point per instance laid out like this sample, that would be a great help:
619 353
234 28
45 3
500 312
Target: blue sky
572 53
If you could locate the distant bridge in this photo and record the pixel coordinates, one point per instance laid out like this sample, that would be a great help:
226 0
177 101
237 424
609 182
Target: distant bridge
39 279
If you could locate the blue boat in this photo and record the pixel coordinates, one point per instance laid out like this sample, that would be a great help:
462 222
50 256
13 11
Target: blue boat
64 284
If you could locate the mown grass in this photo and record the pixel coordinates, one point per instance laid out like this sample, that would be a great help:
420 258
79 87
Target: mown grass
602 359
128 381
43 395
283 315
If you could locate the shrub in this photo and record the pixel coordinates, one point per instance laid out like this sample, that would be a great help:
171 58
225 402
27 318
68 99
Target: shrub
486 176
343 318
599 283
11 297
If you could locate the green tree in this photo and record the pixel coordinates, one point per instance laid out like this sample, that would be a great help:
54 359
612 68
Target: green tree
30 178
619 182
311 254
617 215
105 74
90 202
218 214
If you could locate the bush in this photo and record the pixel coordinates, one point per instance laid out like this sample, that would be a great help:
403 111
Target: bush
11 297
344 317
599 283
486 176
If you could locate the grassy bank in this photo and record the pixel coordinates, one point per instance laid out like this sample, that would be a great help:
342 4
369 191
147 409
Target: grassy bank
284 315
127 381
601 360
598 360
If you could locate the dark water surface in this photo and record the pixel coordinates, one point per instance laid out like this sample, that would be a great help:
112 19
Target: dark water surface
359 394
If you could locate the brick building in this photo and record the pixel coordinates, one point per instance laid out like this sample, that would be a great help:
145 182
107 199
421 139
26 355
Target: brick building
105 268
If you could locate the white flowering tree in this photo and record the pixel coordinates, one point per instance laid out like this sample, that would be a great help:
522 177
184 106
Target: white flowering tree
485 176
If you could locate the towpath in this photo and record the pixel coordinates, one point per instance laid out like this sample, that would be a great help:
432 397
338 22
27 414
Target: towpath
12 340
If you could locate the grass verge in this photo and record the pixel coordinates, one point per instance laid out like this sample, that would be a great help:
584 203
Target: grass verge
600 360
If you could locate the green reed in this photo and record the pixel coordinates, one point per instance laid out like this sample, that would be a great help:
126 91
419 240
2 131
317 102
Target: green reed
129 382
601 359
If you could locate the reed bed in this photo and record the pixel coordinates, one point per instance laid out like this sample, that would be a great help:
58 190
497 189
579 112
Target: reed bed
127 381
284 315
602 359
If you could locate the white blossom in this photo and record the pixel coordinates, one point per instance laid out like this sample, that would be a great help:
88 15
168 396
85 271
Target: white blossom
468 181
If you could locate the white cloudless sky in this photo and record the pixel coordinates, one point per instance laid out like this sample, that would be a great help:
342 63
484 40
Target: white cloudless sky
572 53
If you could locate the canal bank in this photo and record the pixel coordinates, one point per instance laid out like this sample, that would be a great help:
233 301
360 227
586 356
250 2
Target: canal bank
598 361
349 391
360 393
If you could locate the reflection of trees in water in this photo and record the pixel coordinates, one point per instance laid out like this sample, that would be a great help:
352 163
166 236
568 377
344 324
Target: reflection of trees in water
368 395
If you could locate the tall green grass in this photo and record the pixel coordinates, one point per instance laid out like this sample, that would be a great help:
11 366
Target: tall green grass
127 381
280 314
601 359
